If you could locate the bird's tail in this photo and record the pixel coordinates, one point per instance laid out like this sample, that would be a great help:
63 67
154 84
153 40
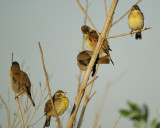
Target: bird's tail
104 60
107 52
29 96
138 36
47 122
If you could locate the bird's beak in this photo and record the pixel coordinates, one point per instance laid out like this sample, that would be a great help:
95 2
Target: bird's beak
64 93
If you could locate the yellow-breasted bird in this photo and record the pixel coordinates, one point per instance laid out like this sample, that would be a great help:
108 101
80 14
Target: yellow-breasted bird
84 58
60 102
136 20
91 39
20 82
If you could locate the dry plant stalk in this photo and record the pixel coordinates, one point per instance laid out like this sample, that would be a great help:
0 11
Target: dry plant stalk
119 117
105 5
86 100
39 104
18 105
47 84
80 73
93 59
129 33
101 106
20 112
7 110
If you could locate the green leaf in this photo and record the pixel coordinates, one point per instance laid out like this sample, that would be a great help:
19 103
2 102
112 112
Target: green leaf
124 112
145 112
153 123
136 124
157 125
133 106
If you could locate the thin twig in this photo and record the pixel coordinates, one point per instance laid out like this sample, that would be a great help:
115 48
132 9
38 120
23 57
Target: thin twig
5 105
125 14
47 84
39 104
87 16
94 78
92 95
105 5
119 117
128 33
90 66
18 105
101 106
87 98
20 113
85 21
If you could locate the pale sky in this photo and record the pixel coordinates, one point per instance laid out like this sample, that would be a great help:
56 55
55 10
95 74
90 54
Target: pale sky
56 24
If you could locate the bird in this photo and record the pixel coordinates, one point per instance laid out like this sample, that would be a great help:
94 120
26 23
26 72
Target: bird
60 102
91 39
19 81
136 20
84 58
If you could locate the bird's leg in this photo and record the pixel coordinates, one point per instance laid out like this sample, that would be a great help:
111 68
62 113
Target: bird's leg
17 96
131 32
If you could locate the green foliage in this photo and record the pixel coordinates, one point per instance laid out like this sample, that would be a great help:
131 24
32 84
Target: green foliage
138 115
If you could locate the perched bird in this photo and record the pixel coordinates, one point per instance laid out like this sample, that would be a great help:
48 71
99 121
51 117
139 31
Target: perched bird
136 20
60 102
91 39
84 58
20 82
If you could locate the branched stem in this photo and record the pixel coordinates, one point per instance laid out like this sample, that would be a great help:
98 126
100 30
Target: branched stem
128 33
90 66
47 84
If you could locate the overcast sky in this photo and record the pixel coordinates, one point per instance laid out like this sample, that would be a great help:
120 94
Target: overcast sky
56 24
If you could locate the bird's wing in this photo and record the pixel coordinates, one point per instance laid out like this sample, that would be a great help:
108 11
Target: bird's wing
22 80
48 106
93 36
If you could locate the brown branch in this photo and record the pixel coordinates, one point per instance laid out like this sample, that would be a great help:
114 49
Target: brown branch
85 21
128 33
79 80
20 113
119 117
105 5
87 98
8 115
47 84
18 105
90 66
87 16
94 78
125 14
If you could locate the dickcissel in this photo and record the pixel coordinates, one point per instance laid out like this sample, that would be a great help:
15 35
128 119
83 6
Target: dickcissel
84 58
60 102
91 39
136 20
20 82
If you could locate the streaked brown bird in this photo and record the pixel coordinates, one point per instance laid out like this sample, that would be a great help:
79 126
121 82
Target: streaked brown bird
84 58
60 102
91 39
20 82
136 20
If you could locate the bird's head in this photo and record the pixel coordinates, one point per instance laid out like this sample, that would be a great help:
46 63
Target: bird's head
15 66
60 94
135 7
85 29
